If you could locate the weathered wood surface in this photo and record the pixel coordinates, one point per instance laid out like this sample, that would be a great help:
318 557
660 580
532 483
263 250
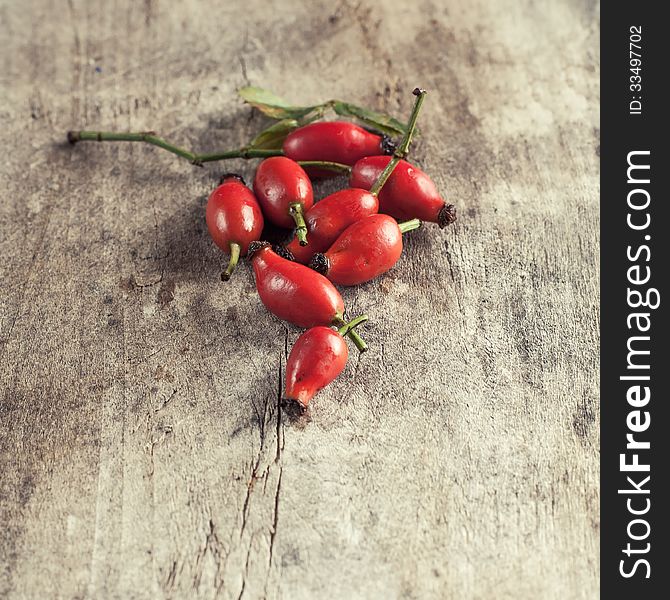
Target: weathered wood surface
141 454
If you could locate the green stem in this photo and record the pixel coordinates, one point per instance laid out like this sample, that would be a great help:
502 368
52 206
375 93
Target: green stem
324 164
403 148
295 210
149 137
245 153
358 341
232 263
347 327
409 225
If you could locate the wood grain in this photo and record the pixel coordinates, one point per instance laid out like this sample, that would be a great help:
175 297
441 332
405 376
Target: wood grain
142 452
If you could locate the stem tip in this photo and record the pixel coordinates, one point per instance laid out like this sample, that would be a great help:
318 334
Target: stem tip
410 225
234 258
359 342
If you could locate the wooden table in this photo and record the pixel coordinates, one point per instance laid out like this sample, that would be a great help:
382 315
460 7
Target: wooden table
141 453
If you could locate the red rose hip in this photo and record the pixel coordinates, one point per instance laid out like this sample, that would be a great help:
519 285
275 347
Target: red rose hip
334 141
407 194
364 250
295 293
292 291
234 219
284 192
316 359
329 217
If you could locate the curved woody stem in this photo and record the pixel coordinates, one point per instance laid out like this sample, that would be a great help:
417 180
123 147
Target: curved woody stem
150 137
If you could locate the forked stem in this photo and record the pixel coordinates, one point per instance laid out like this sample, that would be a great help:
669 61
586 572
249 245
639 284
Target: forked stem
358 341
348 327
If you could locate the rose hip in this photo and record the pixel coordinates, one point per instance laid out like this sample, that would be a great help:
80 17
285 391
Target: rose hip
292 291
295 293
364 250
234 219
334 141
329 217
316 359
284 192
407 194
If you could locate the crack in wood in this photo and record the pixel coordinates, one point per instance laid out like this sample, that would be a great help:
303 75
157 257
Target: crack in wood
213 546
275 517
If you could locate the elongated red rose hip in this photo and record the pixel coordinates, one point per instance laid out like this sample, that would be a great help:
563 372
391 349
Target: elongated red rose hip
292 291
364 250
407 194
329 217
234 219
295 293
318 356
334 141
284 192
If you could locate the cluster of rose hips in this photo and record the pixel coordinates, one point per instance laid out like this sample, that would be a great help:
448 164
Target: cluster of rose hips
347 238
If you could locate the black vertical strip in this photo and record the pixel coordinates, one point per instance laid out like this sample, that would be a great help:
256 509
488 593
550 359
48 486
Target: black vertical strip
635 245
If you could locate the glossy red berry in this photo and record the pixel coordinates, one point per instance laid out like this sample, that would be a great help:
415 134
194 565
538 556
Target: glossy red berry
364 250
317 358
334 141
234 219
329 217
294 292
284 192
407 194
